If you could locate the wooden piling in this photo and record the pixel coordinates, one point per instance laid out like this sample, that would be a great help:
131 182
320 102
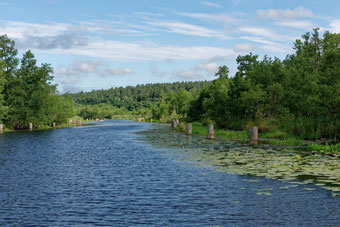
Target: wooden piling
181 127
1 128
253 135
177 121
138 119
150 120
69 123
53 125
173 124
189 129
160 120
79 123
210 132
30 126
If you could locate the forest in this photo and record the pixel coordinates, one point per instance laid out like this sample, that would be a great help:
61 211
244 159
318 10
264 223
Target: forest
299 94
26 91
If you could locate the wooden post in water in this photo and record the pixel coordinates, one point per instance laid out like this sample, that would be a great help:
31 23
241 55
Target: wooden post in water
150 120
210 132
30 126
177 121
160 120
79 123
138 119
53 125
181 127
173 124
253 135
189 129
69 123
1 128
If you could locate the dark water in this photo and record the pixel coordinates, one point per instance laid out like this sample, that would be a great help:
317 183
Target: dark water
105 175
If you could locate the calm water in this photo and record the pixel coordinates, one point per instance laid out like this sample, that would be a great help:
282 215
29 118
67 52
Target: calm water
106 175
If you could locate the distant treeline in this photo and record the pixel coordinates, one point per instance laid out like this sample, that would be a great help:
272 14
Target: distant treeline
151 99
300 94
26 93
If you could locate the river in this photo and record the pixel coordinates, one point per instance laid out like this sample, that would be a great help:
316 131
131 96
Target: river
108 175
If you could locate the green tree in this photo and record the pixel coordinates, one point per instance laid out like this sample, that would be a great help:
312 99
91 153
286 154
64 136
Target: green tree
222 72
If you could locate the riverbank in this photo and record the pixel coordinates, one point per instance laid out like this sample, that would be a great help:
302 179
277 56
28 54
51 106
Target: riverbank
233 155
274 137
73 123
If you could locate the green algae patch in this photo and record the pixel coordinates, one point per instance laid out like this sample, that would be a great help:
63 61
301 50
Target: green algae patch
264 193
268 161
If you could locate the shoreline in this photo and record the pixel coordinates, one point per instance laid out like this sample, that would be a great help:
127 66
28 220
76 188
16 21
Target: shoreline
263 160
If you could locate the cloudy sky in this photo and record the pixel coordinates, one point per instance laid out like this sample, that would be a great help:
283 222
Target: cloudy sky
107 43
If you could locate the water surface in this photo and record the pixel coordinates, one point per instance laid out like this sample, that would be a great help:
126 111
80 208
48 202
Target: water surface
108 175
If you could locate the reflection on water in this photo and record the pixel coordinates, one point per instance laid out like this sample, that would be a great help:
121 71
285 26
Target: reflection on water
107 175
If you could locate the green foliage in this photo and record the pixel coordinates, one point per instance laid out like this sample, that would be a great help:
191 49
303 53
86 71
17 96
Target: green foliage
151 100
293 99
286 141
324 148
26 93
301 94
3 107
100 111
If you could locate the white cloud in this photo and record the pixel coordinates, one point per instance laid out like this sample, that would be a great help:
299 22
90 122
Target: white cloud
156 72
139 51
116 71
79 68
302 24
257 39
279 48
58 38
211 4
335 26
187 29
263 45
216 17
187 75
282 14
210 67
245 47
264 32
19 30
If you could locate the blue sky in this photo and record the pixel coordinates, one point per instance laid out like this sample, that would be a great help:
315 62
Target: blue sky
105 43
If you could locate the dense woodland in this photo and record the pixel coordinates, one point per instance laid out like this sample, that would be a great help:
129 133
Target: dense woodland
300 94
26 93
157 100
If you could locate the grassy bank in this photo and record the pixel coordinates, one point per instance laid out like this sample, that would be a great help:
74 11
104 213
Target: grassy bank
272 137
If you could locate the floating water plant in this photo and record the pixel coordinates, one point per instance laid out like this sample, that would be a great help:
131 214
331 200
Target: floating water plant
272 162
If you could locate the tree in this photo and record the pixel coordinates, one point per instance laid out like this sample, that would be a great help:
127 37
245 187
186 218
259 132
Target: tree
222 72
3 107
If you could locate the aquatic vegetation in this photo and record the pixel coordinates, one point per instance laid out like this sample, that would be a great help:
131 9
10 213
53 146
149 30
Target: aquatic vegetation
268 161
264 193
